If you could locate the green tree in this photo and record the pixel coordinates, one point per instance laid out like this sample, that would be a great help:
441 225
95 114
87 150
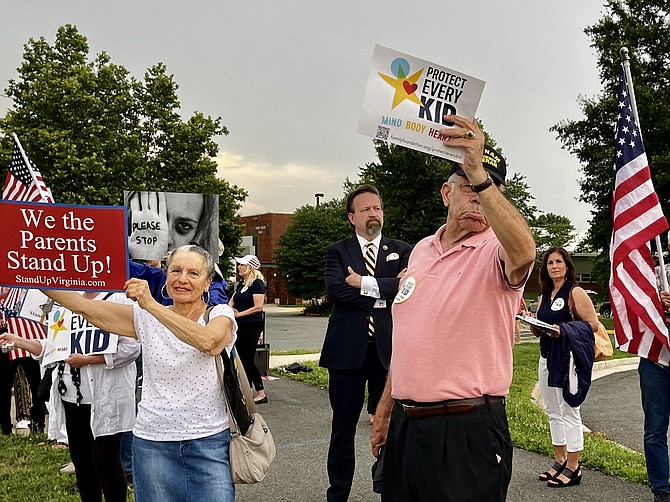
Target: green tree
517 191
551 229
302 249
94 130
644 28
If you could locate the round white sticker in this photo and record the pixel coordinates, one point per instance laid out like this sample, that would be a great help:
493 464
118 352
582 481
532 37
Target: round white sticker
406 290
558 304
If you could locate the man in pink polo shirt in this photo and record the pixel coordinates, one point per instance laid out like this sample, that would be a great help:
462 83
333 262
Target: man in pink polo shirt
442 417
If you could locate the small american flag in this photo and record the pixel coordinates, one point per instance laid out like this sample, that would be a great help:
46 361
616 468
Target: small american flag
637 218
23 183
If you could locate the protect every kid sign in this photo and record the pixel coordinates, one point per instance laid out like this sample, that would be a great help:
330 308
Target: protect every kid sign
68 333
57 246
406 99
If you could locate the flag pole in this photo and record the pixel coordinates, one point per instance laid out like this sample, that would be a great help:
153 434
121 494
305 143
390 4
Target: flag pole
27 162
625 60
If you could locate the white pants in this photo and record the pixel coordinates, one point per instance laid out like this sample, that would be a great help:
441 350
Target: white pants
565 422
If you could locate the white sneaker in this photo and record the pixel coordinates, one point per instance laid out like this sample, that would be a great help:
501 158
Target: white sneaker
23 424
67 469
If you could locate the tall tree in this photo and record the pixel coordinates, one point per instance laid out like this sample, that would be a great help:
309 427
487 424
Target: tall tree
94 130
551 229
644 27
302 252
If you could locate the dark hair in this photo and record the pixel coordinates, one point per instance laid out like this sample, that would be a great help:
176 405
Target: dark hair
208 221
359 190
546 284
191 248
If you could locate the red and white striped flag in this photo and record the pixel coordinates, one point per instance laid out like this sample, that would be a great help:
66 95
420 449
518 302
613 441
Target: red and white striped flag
637 217
23 183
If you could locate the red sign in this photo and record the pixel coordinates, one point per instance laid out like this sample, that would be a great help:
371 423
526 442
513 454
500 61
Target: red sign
59 246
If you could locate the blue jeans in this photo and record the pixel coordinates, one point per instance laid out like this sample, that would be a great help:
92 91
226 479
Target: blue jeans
197 470
655 387
126 451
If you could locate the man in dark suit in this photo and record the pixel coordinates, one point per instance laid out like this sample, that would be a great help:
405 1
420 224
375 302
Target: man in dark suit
362 275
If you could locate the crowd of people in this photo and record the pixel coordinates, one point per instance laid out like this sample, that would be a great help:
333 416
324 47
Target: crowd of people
438 415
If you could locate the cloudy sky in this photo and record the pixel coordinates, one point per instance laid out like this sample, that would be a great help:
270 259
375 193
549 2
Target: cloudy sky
288 77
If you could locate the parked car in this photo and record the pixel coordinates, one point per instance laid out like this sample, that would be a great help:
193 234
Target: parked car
606 309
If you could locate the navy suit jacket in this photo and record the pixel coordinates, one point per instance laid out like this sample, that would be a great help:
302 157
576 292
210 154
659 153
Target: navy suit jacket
346 341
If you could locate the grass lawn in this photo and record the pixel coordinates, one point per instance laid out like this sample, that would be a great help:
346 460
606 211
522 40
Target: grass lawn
29 473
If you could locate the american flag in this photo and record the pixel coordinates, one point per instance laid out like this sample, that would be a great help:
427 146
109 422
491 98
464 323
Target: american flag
637 218
23 183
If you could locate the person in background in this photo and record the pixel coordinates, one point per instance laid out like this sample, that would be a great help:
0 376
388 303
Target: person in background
25 383
97 398
442 421
557 284
362 275
655 391
247 303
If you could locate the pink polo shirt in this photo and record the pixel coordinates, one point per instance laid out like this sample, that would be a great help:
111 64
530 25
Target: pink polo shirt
453 322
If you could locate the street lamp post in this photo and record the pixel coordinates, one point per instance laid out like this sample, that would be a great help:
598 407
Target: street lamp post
318 196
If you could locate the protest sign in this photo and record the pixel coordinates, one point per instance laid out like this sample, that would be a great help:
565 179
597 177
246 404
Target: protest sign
406 99
57 246
162 221
36 306
69 333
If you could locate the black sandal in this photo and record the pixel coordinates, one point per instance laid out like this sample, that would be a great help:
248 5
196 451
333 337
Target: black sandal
546 475
574 478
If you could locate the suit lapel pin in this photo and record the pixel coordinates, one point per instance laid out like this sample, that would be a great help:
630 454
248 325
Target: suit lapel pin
385 247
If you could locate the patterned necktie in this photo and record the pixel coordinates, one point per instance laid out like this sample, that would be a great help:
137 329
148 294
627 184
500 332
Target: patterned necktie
370 267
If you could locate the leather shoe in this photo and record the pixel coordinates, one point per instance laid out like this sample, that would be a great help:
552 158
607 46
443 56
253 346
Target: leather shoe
262 400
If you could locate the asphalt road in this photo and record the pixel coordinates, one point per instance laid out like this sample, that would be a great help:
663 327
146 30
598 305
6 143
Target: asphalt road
299 417
286 329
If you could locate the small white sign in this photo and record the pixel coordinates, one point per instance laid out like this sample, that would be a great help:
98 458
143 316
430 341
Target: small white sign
69 333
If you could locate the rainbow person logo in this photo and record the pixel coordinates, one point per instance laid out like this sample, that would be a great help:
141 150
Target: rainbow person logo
59 319
405 86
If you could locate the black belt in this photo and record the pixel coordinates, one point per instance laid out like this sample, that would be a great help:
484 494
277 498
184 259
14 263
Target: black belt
451 407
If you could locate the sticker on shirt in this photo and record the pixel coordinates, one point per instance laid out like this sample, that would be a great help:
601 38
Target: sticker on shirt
558 304
406 290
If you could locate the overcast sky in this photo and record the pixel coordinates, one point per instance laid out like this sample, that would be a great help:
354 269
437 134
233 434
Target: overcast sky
288 77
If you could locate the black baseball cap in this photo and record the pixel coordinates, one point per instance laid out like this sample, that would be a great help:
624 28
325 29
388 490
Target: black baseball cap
493 163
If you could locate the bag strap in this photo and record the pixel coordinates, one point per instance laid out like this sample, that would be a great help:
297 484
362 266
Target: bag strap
242 379
571 306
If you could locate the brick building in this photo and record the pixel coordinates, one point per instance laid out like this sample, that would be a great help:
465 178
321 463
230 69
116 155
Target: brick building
261 237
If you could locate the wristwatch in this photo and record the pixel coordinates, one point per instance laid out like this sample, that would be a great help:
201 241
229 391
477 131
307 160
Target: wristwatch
482 186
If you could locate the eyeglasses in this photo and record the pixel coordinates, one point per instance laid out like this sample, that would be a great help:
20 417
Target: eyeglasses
465 188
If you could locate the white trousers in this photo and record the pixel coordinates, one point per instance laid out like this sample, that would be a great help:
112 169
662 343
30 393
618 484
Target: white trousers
565 422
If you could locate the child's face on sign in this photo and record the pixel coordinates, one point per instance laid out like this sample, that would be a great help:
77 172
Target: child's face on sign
184 213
